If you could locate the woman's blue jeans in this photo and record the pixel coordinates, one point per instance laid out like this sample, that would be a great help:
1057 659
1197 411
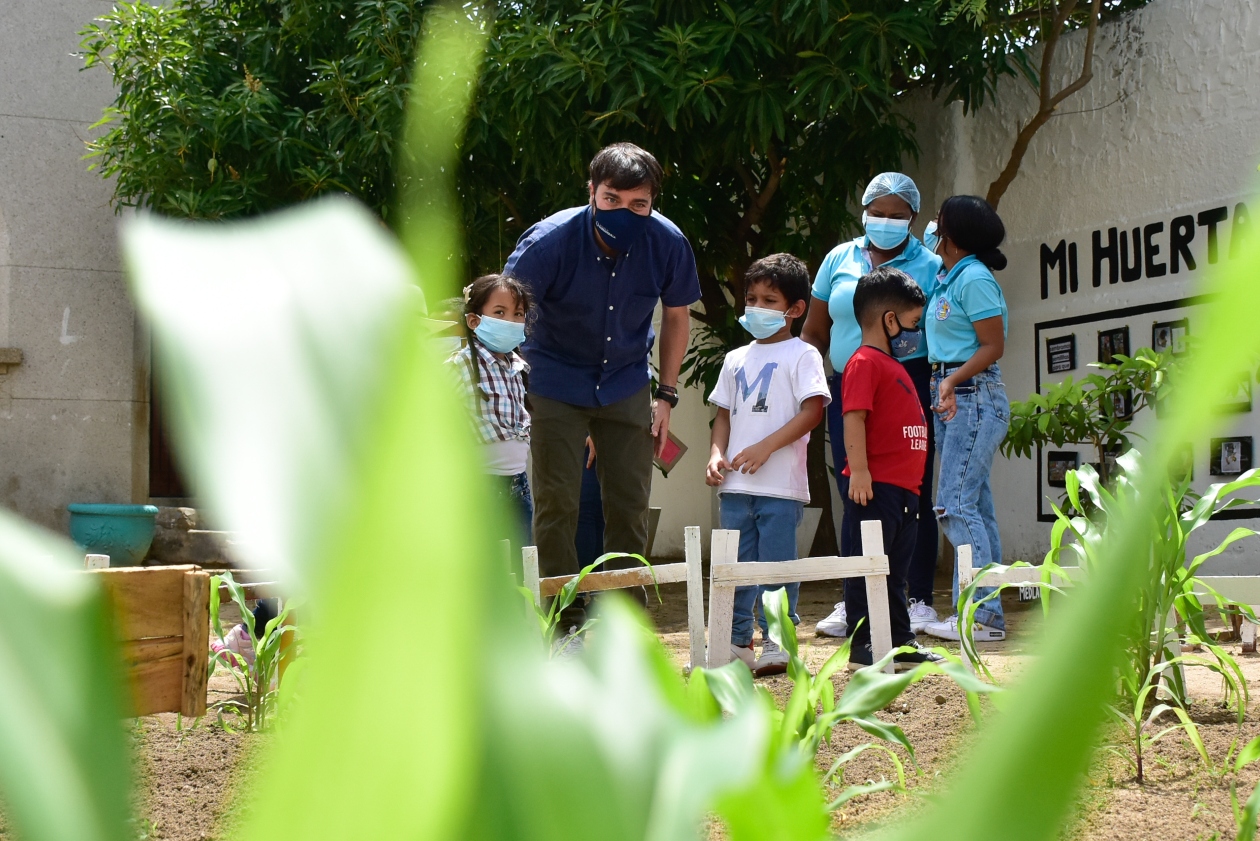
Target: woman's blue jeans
964 497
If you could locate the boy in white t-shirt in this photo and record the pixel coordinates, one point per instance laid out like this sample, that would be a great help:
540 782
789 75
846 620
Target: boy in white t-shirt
769 395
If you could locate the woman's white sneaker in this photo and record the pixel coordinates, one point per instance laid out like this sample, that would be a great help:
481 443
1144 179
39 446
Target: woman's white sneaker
948 630
921 615
835 625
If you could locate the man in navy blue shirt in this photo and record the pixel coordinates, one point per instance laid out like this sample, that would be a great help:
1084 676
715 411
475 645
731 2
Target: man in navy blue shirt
597 272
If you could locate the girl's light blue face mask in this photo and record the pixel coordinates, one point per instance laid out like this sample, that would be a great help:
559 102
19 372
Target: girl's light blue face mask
498 335
930 239
885 234
762 323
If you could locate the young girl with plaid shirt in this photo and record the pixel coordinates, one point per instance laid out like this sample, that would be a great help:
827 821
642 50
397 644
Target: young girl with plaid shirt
496 308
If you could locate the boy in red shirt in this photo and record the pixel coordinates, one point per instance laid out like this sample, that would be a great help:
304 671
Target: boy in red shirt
885 435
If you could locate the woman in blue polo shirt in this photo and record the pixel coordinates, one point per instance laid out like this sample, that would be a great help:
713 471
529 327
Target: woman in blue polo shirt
966 320
890 205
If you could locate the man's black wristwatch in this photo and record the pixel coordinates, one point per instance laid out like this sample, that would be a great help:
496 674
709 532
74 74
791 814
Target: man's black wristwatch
667 393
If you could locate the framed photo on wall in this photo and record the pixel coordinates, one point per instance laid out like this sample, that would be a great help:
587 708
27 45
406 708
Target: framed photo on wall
1061 354
1112 342
1122 404
1057 467
1170 335
1231 456
1182 466
1239 400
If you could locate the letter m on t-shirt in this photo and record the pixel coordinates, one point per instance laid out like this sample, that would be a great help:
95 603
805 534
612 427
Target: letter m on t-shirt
761 385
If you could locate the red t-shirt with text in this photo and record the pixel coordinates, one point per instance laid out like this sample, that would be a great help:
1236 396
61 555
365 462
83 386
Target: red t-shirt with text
896 431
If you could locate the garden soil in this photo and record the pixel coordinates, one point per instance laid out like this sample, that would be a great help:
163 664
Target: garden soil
190 778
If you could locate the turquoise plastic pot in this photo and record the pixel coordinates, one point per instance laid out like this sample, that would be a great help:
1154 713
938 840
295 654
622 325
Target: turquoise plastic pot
124 532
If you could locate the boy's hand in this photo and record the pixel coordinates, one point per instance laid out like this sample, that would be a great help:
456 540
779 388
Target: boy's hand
750 459
946 401
860 490
713 474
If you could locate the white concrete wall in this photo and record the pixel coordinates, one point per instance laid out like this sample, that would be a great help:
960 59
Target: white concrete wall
73 415
1169 126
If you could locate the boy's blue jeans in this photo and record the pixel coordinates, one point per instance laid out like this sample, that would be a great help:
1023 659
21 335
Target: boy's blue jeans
964 497
767 532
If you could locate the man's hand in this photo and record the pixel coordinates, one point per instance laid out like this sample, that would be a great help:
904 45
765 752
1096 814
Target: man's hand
715 472
860 490
590 452
750 459
660 424
946 402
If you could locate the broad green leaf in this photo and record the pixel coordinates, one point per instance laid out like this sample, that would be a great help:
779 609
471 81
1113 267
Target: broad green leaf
63 746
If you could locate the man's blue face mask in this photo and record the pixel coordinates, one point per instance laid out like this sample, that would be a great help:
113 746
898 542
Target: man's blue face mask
620 228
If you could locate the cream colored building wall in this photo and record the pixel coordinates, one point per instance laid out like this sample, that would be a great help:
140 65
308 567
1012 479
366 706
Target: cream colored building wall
73 415
1169 126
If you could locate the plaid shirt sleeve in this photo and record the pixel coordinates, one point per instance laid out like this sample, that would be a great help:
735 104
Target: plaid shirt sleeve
497 402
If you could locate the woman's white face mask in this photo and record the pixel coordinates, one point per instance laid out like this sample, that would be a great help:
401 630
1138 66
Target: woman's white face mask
885 234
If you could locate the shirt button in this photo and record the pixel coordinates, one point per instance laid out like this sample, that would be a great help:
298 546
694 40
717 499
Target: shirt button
610 307
605 361
614 274
609 339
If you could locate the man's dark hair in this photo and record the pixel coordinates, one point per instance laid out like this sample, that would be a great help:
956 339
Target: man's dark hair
624 166
782 271
885 289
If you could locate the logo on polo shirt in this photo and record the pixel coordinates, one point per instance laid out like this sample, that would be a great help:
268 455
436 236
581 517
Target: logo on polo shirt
942 309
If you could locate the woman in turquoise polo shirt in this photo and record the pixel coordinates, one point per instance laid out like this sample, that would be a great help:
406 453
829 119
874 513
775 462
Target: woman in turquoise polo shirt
966 320
890 205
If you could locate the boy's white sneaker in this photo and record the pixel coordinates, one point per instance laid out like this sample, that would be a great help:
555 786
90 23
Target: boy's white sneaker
773 660
745 655
948 630
835 625
920 615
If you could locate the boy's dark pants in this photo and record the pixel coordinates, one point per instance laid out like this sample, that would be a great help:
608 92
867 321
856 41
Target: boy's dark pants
622 434
897 510
922 575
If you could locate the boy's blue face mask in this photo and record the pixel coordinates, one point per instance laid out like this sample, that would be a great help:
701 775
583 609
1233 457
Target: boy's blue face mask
620 228
906 342
885 234
762 323
498 335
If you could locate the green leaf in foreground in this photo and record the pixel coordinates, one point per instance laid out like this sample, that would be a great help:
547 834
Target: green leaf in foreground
306 404
63 748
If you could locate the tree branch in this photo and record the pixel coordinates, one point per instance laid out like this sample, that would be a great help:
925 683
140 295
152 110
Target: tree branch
1048 101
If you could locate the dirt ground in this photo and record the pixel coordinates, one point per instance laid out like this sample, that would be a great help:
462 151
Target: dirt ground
188 777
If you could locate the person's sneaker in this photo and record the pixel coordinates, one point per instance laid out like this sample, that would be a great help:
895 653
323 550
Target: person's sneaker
571 645
773 660
860 657
835 625
948 630
745 655
920 615
907 660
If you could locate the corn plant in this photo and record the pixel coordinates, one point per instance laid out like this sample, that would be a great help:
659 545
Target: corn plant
813 712
1166 612
255 680
549 616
